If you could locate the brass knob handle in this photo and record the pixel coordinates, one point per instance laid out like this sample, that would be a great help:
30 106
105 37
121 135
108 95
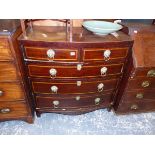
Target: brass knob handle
5 110
134 107
151 73
139 95
78 83
54 89
104 71
107 55
79 67
1 93
56 103
100 87
97 101
77 98
53 72
145 84
50 53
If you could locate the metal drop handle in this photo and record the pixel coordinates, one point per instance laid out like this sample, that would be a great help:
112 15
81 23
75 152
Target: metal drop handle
56 103
1 92
145 84
107 54
139 95
53 72
151 73
100 87
104 71
54 89
5 110
97 101
50 53
134 107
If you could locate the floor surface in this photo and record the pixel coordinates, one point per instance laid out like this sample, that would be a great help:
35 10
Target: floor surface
99 122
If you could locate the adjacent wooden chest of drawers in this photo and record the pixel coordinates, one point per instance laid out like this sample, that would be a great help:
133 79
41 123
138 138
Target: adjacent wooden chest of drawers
14 103
73 77
137 92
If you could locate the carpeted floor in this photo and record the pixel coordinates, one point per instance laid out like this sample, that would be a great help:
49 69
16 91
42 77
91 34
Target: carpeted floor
94 123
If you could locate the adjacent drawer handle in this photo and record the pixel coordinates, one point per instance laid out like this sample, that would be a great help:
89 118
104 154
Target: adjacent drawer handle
134 107
1 93
97 101
5 110
145 84
77 98
107 55
151 73
104 71
79 83
100 87
56 103
139 96
54 89
79 67
53 72
50 53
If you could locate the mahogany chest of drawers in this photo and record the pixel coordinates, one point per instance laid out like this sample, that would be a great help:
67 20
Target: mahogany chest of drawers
137 92
73 75
13 99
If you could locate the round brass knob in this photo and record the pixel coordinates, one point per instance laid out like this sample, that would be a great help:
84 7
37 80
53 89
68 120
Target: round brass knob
104 71
145 84
134 107
97 101
100 87
5 110
151 73
50 53
107 55
56 103
53 72
139 95
1 92
54 89
77 98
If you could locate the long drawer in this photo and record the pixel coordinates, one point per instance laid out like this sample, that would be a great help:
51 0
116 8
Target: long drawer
139 95
74 87
72 102
141 83
76 71
104 54
50 54
8 71
10 110
11 91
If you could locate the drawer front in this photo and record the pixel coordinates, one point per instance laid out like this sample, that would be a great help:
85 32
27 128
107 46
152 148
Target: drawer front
51 54
9 110
77 87
141 83
136 106
74 71
5 53
11 91
139 95
104 54
146 72
8 71
76 102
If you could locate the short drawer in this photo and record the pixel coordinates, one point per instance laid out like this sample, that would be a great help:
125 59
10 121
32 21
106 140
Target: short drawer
139 95
10 110
104 54
75 71
74 87
144 72
48 54
11 91
8 71
141 83
72 102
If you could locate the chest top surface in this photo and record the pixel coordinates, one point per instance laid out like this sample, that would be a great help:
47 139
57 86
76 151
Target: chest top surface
79 35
